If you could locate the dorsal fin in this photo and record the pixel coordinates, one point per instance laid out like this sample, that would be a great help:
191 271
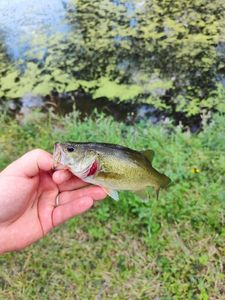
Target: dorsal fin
149 154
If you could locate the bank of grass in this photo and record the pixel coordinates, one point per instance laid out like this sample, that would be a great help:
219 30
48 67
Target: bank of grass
172 248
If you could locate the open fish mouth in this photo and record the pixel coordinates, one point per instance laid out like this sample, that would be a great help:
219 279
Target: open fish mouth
57 156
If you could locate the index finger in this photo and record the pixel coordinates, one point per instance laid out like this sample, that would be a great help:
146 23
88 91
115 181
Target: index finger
61 176
67 181
72 184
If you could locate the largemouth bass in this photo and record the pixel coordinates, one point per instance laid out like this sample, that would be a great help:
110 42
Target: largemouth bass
113 167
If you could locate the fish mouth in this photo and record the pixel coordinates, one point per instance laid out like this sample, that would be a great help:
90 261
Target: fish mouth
57 157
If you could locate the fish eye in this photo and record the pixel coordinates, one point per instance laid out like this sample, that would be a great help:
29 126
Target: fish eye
70 149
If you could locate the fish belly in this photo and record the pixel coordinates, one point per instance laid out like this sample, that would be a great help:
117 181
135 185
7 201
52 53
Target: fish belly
119 183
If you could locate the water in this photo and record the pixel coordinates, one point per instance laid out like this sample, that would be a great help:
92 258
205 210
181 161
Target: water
23 21
62 37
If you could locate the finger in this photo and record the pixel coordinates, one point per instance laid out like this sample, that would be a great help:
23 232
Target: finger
72 184
95 192
61 176
30 164
71 209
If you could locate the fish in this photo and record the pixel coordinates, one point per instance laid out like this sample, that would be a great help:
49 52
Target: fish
113 167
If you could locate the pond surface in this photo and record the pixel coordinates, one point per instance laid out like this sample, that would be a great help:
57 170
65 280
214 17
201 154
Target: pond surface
23 21
128 52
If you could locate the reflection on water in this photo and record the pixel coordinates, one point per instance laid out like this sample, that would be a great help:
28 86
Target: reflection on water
116 49
22 21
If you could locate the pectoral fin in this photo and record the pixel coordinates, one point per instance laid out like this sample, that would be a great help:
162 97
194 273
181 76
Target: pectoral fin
113 194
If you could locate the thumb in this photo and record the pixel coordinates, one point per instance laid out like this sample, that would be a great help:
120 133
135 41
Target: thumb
30 164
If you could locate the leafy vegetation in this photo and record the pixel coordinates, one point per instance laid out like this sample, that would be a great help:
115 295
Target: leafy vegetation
167 53
172 248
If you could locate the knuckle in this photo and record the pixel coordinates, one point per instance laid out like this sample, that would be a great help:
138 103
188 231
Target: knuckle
37 152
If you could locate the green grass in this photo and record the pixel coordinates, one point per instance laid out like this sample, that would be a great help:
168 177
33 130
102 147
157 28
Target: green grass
172 248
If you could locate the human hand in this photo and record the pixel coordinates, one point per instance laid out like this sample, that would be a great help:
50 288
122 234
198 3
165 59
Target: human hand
29 192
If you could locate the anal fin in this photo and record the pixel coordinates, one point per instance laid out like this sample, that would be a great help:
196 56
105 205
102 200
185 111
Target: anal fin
143 194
